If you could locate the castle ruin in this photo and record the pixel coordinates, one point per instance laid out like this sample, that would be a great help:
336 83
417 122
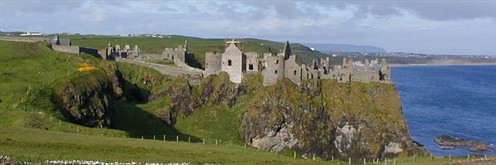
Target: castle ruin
65 45
233 61
273 68
125 52
236 63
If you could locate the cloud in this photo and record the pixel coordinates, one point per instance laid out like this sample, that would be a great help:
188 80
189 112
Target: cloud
39 6
395 25
95 15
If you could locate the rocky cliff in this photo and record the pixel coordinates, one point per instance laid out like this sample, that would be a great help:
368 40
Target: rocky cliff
329 119
320 117
87 98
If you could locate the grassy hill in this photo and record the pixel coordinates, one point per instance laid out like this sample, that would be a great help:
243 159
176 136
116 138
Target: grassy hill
32 129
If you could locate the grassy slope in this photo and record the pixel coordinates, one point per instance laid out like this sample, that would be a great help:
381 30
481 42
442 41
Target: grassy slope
36 145
27 73
33 67
39 145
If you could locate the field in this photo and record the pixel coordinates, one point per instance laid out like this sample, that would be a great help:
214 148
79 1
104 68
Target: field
35 145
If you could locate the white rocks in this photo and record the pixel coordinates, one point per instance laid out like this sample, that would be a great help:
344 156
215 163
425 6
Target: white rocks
393 147
275 139
344 135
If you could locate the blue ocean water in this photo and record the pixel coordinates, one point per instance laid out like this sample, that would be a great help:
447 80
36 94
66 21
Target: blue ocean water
451 100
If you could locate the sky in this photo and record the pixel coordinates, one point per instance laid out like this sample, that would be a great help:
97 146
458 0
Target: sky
464 27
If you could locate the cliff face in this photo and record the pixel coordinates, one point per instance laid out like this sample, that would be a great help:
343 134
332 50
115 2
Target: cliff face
87 98
321 117
329 119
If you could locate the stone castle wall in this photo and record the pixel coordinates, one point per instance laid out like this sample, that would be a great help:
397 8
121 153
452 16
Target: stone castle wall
213 63
232 63
292 70
274 69
284 65
67 49
178 53
251 62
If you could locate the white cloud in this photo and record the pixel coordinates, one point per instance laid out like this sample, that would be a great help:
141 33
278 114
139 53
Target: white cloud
418 26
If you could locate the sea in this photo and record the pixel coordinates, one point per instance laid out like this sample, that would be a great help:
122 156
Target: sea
448 100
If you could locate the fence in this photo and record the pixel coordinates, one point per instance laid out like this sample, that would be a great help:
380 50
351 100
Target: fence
470 159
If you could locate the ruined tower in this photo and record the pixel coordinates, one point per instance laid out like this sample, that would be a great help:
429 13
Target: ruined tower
232 62
274 69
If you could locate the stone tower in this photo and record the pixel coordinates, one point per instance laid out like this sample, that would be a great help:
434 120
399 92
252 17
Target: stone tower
274 69
232 62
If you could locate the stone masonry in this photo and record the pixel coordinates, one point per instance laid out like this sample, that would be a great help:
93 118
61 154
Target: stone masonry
284 65
123 52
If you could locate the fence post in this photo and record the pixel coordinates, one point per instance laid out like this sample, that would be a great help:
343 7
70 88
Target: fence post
294 154
313 157
141 137
394 161
164 137
153 137
349 160
332 158
177 138
189 139
364 161
449 157
215 142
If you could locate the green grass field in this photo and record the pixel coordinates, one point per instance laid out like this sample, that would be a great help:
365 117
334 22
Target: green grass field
34 145
32 130
40 145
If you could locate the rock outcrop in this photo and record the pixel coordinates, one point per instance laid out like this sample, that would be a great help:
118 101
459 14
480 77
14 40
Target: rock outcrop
87 98
320 117
329 120
450 142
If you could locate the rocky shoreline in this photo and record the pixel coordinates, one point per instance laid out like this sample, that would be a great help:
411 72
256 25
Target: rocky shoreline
447 142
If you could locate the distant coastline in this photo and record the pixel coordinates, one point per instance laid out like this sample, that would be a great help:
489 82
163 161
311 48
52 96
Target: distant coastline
442 64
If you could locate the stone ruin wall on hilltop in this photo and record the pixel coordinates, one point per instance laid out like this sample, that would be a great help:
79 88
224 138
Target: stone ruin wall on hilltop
237 63
284 65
